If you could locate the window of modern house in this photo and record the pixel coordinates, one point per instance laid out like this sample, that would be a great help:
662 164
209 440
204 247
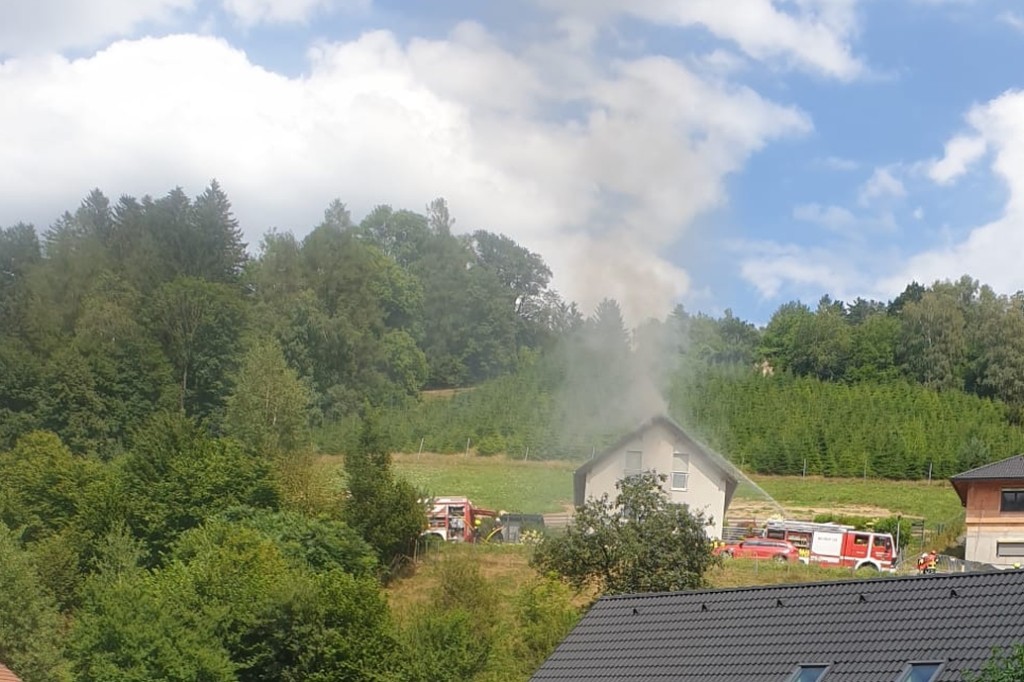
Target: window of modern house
920 672
808 673
680 471
1012 501
1014 549
634 462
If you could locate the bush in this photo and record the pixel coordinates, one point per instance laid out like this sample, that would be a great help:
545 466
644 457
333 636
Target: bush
30 629
491 445
858 522
443 645
452 637
544 615
898 527
1004 666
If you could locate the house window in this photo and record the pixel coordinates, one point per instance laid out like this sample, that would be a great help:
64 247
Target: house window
634 462
680 471
1012 501
808 673
1011 549
920 672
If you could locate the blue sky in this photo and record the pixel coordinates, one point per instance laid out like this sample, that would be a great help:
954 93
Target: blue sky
717 154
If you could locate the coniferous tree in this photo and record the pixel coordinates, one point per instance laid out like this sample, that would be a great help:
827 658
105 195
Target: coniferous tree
386 511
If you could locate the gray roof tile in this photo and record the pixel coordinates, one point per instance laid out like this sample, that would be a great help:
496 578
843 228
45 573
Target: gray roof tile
867 630
1011 467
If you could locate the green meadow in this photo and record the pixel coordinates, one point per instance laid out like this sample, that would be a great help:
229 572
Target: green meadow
546 486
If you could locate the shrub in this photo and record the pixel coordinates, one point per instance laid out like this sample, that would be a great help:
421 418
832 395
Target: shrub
491 445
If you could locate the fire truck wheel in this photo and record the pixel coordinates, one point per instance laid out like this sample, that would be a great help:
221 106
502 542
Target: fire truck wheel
726 554
780 558
430 542
867 567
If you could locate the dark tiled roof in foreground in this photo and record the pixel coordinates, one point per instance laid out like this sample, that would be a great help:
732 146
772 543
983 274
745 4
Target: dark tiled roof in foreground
1011 467
867 630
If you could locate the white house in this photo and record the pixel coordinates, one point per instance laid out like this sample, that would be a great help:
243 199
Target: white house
697 476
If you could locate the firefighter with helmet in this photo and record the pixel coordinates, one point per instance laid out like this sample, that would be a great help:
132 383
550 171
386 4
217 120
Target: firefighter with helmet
927 562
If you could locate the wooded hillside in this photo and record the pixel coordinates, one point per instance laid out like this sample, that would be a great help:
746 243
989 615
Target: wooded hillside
121 310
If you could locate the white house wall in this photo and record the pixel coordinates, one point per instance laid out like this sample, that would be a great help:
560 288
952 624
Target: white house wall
706 486
981 545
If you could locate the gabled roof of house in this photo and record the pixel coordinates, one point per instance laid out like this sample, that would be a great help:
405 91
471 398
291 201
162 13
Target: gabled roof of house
733 475
6 675
1005 469
864 630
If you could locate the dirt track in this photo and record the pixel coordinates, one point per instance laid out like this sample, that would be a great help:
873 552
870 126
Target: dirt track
758 509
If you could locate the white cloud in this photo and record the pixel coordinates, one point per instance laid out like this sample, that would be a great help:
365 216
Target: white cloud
991 251
720 62
776 270
1013 20
41 26
834 218
961 152
881 185
918 213
602 195
815 37
840 164
252 12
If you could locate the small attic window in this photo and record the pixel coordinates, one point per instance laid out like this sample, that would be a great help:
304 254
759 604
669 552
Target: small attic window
680 470
920 672
809 673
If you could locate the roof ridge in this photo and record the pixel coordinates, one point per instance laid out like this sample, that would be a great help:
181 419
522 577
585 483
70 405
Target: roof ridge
989 464
817 583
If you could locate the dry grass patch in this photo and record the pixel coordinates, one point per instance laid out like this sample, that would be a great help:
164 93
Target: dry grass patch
505 567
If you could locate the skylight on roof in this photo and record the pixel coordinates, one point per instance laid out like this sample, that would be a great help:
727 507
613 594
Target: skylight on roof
920 672
808 673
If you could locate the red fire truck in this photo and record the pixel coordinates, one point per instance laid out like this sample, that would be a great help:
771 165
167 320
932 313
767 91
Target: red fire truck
455 519
836 545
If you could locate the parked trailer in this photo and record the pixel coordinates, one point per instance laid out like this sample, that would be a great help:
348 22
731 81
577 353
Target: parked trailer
833 544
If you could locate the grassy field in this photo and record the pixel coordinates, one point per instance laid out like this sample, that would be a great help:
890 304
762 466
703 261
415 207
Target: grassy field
506 568
935 502
540 487
492 482
544 486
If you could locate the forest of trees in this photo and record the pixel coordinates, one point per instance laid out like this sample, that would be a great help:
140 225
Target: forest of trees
123 310
120 311
164 388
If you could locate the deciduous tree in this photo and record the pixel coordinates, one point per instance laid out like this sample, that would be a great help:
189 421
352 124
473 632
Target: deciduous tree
269 408
638 542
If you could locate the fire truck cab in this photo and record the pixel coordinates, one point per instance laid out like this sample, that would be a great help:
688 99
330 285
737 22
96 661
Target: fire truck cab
455 519
836 545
